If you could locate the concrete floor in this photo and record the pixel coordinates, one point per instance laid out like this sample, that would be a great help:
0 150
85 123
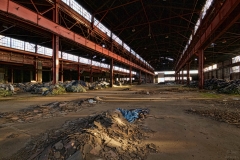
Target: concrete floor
178 135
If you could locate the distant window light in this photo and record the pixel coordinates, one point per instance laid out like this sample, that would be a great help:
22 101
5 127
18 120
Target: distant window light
29 47
236 59
17 44
235 69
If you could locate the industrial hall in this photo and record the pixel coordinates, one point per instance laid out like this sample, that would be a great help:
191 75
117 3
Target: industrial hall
119 79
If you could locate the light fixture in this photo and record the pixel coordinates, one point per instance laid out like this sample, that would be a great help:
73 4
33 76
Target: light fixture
145 48
103 45
166 36
94 56
133 30
224 41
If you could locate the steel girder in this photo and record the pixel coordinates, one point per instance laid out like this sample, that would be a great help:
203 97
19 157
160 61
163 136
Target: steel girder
229 6
30 17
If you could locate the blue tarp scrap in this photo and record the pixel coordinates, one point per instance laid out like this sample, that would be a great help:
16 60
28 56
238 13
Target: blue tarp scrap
132 115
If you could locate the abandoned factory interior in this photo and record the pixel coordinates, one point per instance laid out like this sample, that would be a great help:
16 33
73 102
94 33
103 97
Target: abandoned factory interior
119 79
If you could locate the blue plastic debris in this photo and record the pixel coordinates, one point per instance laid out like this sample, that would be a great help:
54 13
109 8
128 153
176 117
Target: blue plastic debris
132 115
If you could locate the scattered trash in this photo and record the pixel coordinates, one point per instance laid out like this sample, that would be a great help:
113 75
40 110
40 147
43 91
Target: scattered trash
91 101
132 115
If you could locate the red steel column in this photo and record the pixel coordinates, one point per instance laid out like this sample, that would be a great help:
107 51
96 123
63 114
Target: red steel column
179 78
140 77
130 75
79 74
200 68
145 77
36 69
61 68
111 72
182 82
188 73
12 76
91 72
55 47
78 69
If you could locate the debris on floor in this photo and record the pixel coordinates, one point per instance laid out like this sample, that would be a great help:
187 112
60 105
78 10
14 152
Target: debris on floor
220 85
132 115
103 136
6 90
54 109
146 92
227 116
48 88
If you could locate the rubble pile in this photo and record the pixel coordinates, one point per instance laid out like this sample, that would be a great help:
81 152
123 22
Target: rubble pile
98 85
219 115
6 90
54 109
104 136
220 85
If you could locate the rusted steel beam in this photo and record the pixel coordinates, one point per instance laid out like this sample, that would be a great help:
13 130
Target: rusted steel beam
39 21
225 14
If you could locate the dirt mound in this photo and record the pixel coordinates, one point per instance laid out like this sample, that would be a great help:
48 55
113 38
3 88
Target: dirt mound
104 136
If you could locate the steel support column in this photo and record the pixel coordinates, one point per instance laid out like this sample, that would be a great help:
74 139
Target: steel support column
79 73
12 76
179 78
145 77
36 69
188 73
55 59
140 77
223 70
62 71
61 77
200 68
91 71
55 47
182 82
111 72
130 75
